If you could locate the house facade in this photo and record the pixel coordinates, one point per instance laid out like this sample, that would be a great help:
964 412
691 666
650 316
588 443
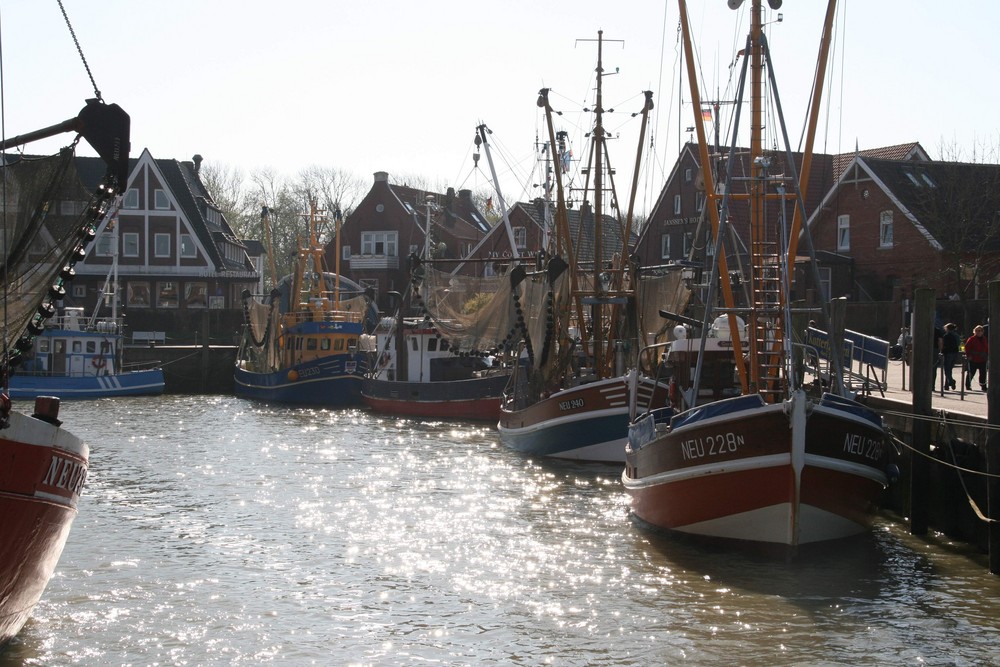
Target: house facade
176 255
678 228
911 224
389 225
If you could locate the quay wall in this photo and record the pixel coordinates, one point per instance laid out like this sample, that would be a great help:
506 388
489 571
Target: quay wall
189 369
958 440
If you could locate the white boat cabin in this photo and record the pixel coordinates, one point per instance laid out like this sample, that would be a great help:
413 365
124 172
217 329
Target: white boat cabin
426 355
74 346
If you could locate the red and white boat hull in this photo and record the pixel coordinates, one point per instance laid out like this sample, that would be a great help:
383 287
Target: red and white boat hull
44 470
764 473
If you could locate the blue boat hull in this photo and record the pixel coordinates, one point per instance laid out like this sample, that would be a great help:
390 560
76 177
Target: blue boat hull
330 382
131 383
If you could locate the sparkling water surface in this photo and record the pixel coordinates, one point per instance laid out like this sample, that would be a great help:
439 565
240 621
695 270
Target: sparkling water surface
216 531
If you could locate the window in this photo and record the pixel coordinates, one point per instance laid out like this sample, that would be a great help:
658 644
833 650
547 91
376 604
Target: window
166 294
91 347
138 294
489 270
699 201
677 204
160 201
104 245
68 207
345 252
843 232
413 249
885 229
131 199
687 243
161 243
825 280
379 243
521 237
130 244
665 246
432 344
196 295
79 291
188 248
687 175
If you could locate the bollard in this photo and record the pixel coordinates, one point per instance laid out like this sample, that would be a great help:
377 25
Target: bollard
923 375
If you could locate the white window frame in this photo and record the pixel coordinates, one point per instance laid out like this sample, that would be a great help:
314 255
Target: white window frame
664 246
521 237
160 200
699 201
885 229
843 232
371 240
79 291
825 281
677 204
103 247
131 199
157 240
488 270
187 241
687 175
130 244
345 252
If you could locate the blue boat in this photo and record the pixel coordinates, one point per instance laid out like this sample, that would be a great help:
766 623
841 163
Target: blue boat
305 343
75 358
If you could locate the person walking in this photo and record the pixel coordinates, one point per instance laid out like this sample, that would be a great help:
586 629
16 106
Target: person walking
950 344
977 349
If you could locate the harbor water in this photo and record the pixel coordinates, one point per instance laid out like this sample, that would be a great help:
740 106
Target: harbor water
215 531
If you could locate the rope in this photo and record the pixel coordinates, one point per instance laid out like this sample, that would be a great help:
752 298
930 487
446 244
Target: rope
80 51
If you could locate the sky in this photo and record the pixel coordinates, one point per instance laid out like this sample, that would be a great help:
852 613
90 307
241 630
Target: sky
400 86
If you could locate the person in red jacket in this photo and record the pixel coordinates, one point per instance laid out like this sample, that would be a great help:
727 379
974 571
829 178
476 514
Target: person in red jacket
977 350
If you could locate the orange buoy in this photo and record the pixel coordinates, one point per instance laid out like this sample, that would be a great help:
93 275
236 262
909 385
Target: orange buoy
293 375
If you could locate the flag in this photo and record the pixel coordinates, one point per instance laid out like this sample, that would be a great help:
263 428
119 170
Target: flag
706 115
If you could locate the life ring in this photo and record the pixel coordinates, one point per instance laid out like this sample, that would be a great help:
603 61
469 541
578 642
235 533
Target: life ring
99 362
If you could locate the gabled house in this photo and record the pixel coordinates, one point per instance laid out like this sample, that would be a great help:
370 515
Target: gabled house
531 224
908 224
176 254
678 228
389 225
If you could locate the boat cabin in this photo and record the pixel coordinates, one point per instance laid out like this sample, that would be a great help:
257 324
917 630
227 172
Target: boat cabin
75 347
718 373
425 355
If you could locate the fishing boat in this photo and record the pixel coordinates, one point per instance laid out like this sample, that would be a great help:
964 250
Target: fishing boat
571 400
306 342
49 219
758 457
417 375
83 358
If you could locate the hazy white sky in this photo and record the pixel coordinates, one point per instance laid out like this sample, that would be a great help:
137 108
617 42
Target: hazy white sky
400 85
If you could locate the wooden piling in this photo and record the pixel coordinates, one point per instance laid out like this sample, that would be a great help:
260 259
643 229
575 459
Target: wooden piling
923 375
993 439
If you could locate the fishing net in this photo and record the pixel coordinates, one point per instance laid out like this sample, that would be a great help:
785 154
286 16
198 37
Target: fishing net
664 291
47 214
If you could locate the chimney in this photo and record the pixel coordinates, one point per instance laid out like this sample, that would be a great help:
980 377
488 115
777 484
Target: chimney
381 177
197 162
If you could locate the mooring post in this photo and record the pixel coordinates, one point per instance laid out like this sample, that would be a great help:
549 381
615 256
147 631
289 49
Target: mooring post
993 440
205 349
923 375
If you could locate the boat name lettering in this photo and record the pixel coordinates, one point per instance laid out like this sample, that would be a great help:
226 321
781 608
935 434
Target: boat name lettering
571 404
863 446
306 372
66 474
711 445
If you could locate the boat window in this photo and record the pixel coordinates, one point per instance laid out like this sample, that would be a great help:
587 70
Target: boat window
444 344
432 345
298 343
43 345
352 342
324 344
310 343
338 345
91 347
58 346
413 343
78 346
